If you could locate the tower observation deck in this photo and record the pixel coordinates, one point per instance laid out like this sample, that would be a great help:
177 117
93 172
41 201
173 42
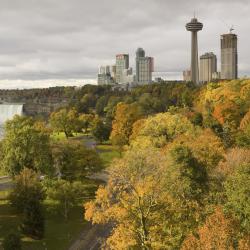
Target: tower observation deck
194 26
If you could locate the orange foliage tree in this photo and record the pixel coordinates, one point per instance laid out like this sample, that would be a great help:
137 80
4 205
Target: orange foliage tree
219 232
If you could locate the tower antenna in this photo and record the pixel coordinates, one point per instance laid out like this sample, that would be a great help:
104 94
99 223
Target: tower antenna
231 29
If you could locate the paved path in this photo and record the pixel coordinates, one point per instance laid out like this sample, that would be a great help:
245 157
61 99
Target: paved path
5 183
92 237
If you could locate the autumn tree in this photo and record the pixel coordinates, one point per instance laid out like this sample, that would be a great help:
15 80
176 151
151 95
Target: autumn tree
245 122
25 145
207 148
125 116
233 158
219 232
161 129
133 200
150 200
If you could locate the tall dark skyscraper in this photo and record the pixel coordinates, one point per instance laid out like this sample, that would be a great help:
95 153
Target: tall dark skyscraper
194 26
229 56
144 67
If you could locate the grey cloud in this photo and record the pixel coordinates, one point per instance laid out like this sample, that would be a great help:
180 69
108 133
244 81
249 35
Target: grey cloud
61 39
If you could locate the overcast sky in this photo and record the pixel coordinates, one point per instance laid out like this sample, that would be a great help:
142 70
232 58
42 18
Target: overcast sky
54 42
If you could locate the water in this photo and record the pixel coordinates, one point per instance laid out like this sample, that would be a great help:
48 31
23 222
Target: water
7 112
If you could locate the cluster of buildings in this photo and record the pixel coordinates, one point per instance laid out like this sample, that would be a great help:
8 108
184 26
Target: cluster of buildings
121 73
208 62
201 71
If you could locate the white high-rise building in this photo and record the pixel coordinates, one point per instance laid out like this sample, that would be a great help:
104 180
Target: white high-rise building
208 66
122 63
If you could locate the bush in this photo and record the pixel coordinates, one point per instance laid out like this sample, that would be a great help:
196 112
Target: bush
12 242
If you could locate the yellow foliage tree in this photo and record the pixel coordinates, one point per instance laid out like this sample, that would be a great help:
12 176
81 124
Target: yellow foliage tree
125 116
161 129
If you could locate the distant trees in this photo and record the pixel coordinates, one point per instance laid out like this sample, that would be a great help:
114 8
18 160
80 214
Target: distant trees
26 144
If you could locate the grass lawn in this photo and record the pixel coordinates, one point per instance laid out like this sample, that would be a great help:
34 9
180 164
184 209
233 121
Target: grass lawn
107 153
59 233
61 136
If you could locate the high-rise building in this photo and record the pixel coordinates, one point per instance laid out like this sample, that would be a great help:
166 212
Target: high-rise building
208 66
113 71
229 56
187 75
127 76
104 76
194 26
122 63
144 67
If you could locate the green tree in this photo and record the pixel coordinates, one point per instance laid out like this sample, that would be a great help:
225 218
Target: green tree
243 138
85 121
12 242
72 160
65 194
187 178
65 121
100 130
101 104
237 189
26 144
26 188
33 220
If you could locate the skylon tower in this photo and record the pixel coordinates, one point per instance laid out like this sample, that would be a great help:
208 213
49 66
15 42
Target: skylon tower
194 26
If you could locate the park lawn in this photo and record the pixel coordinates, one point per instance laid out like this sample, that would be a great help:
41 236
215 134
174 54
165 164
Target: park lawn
107 153
59 233
61 136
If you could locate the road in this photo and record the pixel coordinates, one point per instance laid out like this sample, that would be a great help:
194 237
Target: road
92 237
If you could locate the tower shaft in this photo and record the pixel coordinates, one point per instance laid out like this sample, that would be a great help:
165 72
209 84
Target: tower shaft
194 26
194 58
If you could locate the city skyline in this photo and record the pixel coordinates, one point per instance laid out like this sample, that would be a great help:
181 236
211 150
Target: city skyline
68 41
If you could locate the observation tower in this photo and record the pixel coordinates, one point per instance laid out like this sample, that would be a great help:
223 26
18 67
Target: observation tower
194 26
